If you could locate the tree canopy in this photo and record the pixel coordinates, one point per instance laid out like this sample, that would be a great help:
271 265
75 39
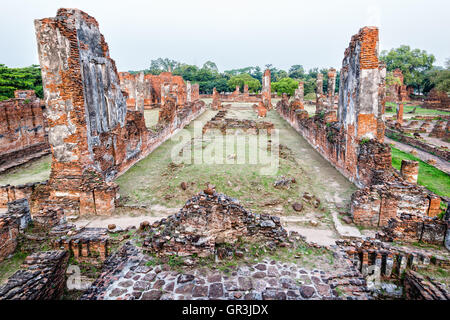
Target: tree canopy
12 79
285 85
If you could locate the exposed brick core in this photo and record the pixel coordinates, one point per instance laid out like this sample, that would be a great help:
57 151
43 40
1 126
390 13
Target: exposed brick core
419 287
353 141
9 230
266 90
22 133
93 135
410 170
437 100
210 219
90 245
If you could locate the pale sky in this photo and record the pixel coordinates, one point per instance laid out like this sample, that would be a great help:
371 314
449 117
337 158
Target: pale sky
234 33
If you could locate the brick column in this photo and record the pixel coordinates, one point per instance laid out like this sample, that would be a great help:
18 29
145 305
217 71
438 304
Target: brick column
410 170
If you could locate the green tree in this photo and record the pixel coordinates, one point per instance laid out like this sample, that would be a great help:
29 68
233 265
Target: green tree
12 79
285 85
239 80
438 78
413 63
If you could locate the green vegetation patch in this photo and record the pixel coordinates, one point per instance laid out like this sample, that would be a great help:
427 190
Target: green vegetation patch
433 179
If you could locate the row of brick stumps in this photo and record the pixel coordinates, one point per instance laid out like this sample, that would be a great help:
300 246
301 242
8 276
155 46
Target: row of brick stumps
22 133
95 132
352 140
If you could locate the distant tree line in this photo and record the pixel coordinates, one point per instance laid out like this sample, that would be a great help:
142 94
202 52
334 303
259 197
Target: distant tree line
12 79
416 65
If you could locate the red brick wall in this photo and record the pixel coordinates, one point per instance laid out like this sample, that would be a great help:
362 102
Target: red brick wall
22 129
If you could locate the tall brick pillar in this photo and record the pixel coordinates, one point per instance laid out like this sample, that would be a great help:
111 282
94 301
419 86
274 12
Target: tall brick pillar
215 100
331 86
85 107
410 170
266 90
361 85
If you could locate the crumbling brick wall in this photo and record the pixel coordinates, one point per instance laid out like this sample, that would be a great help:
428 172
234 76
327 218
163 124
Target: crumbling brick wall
89 245
9 230
42 277
22 130
134 86
437 100
266 90
414 228
210 219
93 136
86 109
419 287
352 139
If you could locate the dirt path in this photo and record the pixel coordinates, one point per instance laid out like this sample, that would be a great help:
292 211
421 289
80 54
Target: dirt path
422 155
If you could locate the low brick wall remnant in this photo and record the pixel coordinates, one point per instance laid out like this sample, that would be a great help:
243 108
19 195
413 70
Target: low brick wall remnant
42 277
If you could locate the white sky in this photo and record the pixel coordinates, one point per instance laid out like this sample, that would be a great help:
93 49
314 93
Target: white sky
234 33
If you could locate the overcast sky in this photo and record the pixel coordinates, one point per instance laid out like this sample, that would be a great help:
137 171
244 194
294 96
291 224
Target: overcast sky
234 33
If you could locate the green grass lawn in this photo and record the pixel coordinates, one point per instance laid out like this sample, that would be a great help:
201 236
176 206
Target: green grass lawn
433 179
419 110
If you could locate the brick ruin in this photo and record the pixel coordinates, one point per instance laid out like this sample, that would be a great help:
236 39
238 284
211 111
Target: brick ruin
236 96
266 90
337 135
437 100
351 139
94 137
374 256
96 131
148 91
299 94
16 219
207 220
228 125
22 133
397 93
42 277
90 245
379 260
419 287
